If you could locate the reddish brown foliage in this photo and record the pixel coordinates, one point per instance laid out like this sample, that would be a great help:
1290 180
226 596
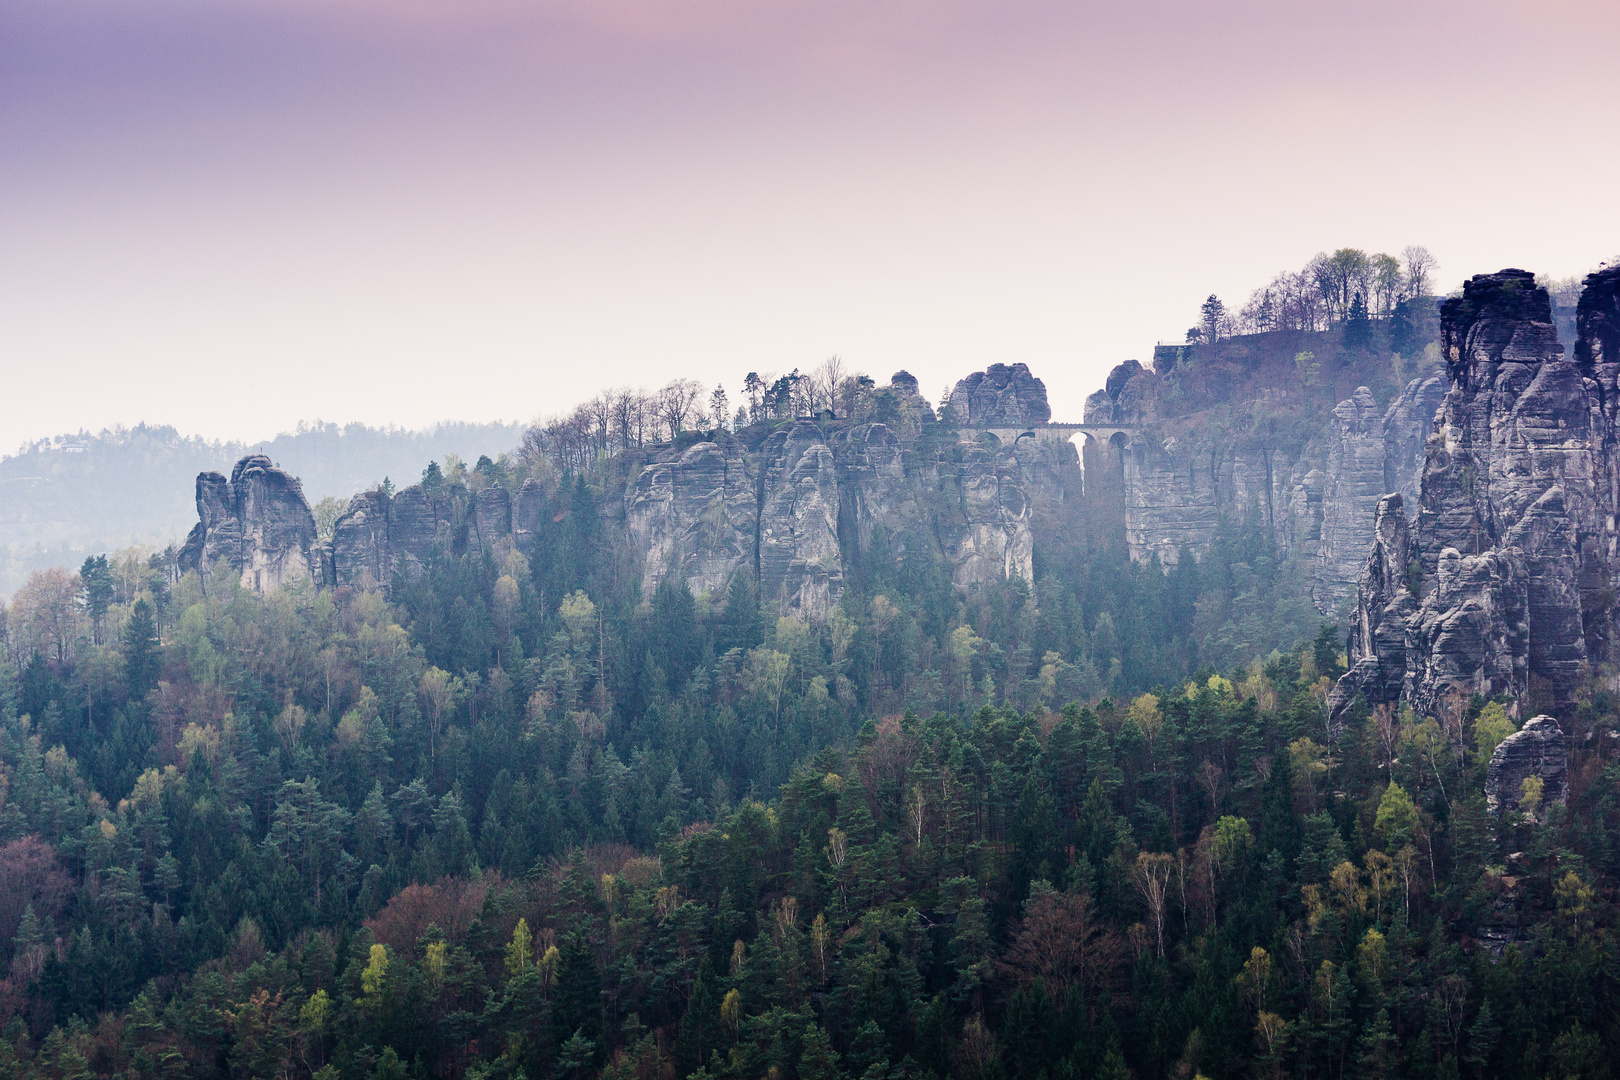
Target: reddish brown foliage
29 874
451 904
886 760
1062 942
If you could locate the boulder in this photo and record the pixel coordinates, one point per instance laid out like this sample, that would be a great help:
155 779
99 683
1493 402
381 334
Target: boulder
1537 749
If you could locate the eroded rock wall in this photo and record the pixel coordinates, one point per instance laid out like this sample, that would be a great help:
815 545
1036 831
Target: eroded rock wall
381 535
1002 395
816 499
257 522
1511 564
1535 750
695 515
1317 497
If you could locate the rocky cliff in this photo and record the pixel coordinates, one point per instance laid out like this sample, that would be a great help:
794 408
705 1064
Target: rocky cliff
1238 436
382 535
1510 569
1312 484
257 523
793 506
797 507
1000 396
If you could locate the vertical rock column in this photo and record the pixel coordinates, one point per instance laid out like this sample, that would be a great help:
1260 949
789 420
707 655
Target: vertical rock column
1516 533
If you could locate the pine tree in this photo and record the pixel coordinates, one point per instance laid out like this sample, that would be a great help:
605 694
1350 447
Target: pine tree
700 1026
1357 326
96 591
1375 1053
818 1060
578 998
143 657
1483 1036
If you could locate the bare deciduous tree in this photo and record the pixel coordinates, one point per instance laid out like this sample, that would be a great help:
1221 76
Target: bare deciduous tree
675 404
1062 942
1151 878
46 612
1420 267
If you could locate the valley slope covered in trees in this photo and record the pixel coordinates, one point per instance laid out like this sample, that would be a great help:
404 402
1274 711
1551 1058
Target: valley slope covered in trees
825 736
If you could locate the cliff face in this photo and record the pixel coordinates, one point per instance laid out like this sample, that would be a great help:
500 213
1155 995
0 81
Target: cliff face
815 499
694 515
793 508
1535 750
257 522
382 535
800 567
1512 565
1316 493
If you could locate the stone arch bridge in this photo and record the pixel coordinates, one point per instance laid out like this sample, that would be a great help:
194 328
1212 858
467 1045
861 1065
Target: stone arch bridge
1116 434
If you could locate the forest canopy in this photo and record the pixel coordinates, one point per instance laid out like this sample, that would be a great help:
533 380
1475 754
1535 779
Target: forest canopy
511 817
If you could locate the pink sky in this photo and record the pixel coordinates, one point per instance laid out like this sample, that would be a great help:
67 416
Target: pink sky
231 215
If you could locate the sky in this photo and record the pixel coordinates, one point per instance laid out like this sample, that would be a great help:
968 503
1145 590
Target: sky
232 215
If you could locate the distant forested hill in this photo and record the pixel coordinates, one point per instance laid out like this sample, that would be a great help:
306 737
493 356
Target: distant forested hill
62 497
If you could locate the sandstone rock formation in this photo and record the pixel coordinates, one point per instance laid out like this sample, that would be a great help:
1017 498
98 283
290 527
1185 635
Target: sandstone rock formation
1407 425
800 565
257 522
492 515
1384 605
695 515
382 535
360 552
1000 396
531 505
1183 476
1514 546
814 500
991 540
1537 749
1354 485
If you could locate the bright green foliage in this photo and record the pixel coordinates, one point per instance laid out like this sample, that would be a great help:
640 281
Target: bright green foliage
1396 818
516 818
1491 726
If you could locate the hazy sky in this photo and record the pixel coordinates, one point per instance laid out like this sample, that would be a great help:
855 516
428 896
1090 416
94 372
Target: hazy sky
234 214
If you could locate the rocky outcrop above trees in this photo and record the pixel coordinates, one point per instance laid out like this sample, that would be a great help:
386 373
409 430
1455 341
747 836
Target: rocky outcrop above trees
382 534
1511 566
818 498
1002 395
1313 488
694 515
257 523
792 509
1535 750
